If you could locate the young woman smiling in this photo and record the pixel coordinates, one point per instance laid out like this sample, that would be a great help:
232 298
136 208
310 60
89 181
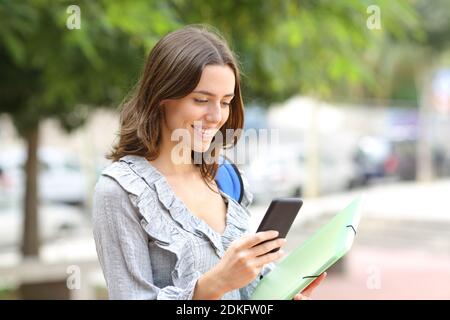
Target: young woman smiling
163 228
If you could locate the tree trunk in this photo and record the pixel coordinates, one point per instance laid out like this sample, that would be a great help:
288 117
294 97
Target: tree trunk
424 163
312 188
30 245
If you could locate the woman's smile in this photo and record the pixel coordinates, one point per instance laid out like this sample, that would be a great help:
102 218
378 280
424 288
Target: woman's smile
204 133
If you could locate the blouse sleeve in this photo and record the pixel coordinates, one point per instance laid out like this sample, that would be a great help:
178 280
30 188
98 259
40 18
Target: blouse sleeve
122 248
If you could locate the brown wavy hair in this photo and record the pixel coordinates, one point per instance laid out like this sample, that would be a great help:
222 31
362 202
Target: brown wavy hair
173 70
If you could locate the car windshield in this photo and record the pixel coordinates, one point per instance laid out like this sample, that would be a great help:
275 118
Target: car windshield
375 149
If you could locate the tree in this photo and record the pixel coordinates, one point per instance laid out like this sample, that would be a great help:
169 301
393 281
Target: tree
316 48
49 71
286 47
407 68
436 21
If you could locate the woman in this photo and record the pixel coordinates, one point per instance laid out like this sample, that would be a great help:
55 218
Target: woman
162 227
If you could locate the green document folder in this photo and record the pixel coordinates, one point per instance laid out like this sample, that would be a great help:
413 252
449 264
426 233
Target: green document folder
319 252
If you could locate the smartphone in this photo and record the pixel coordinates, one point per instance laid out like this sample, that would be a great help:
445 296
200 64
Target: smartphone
279 216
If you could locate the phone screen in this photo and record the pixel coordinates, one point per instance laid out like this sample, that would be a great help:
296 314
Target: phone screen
279 216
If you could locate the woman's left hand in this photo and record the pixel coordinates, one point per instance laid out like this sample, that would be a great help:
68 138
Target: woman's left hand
307 292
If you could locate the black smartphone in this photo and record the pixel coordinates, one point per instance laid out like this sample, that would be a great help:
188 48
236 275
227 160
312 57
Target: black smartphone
279 216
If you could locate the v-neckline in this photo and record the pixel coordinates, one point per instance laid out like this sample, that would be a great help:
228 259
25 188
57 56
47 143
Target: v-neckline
196 218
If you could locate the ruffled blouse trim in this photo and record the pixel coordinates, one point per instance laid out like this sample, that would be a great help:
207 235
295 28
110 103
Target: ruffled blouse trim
141 171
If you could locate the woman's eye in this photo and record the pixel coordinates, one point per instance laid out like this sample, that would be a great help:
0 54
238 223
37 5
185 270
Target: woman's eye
202 101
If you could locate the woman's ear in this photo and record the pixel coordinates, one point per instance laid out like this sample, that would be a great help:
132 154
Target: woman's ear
162 103
166 102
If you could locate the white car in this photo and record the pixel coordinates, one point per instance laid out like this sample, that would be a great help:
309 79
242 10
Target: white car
282 172
55 221
61 179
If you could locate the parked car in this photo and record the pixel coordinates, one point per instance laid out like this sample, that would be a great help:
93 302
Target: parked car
61 179
379 157
375 158
55 221
284 173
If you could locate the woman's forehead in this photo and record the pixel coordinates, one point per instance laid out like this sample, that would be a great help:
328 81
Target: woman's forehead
217 80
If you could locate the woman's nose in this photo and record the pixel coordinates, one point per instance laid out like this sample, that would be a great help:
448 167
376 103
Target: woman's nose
214 113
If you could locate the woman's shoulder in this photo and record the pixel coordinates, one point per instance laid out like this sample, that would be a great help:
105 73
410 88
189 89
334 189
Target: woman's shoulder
123 186
109 187
123 176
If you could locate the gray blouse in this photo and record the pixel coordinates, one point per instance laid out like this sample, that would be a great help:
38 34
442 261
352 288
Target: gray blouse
148 243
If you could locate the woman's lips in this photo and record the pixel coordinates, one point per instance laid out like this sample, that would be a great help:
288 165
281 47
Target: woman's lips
204 134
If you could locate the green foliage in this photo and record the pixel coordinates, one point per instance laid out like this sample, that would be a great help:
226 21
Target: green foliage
51 71
311 47
321 48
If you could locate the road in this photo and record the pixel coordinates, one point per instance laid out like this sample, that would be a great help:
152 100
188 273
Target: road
402 250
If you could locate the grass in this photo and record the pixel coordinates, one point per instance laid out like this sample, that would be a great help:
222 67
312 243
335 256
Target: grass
8 294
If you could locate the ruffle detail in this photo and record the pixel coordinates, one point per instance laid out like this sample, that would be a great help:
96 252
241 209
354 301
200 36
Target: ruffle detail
147 186
161 229
237 221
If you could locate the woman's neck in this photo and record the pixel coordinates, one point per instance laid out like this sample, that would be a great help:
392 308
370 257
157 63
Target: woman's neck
169 165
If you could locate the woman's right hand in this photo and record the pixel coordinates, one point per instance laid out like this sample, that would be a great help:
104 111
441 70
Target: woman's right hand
244 259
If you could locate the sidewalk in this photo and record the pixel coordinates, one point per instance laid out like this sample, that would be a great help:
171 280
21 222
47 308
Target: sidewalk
374 273
402 250
407 201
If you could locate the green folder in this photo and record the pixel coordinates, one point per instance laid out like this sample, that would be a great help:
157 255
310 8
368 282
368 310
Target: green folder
318 253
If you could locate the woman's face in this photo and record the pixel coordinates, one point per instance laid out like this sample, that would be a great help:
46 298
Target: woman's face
202 112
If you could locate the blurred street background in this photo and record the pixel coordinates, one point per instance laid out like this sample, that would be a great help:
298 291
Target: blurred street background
341 98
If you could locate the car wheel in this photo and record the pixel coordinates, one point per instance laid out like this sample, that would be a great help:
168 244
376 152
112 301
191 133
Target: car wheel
298 192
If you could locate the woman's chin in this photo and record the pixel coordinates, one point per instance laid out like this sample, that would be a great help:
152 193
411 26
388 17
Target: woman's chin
201 147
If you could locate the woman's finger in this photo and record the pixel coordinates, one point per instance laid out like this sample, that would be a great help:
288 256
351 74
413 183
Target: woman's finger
300 296
310 288
266 247
268 257
254 239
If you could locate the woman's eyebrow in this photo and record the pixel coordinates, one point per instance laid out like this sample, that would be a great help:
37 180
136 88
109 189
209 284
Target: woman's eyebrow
212 94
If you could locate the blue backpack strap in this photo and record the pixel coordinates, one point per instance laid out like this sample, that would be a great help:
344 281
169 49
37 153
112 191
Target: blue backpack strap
229 179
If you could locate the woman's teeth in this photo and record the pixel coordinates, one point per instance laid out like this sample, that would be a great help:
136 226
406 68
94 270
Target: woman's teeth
205 133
